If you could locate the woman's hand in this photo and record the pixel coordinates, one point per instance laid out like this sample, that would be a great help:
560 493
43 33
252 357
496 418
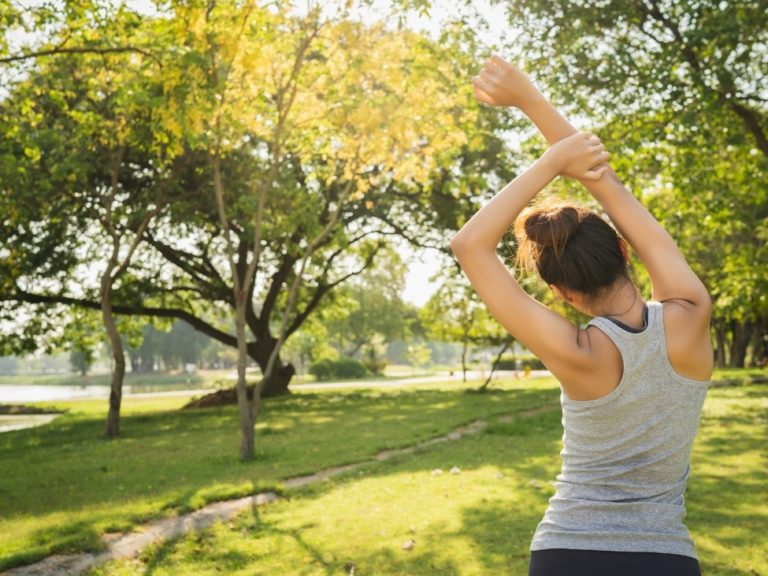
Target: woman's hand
499 83
578 156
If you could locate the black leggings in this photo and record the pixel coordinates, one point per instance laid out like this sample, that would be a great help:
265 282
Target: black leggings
567 562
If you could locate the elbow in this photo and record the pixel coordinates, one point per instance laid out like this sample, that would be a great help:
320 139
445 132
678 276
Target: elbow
465 241
706 301
458 244
463 245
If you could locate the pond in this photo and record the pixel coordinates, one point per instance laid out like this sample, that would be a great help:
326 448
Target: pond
20 421
17 394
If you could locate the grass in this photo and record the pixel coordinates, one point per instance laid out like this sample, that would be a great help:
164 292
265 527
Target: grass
737 376
210 378
66 486
481 521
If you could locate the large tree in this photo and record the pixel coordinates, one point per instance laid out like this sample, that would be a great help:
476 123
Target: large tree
105 200
383 138
676 89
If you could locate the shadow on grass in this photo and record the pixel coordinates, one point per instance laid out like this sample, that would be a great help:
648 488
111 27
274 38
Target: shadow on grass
164 460
60 539
498 528
718 505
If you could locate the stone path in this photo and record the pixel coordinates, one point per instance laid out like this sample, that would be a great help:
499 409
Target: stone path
129 545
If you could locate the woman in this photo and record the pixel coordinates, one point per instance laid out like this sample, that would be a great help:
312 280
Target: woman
633 381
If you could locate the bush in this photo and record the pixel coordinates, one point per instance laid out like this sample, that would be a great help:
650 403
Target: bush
375 365
507 363
340 369
511 363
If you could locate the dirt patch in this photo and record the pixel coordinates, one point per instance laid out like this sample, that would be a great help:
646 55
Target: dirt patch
225 397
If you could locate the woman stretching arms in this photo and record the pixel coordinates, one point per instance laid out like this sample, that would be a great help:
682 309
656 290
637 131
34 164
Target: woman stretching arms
633 381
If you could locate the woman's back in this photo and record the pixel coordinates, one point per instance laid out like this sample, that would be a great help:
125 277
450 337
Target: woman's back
626 454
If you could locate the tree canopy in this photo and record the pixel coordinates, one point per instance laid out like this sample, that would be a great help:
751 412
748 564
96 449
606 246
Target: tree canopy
369 131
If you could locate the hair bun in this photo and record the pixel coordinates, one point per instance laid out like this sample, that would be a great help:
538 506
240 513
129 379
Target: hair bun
552 227
570 246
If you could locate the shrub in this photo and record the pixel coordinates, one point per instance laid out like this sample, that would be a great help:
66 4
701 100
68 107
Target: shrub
507 363
511 363
327 369
375 365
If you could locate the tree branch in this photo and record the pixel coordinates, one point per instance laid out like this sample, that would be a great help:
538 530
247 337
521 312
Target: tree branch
188 317
200 274
79 50
324 288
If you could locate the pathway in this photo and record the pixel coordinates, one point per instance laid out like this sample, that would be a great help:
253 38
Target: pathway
120 546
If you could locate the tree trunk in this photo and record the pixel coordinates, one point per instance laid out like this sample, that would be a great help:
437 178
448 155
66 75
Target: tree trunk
741 335
720 337
277 384
507 344
135 359
760 343
464 360
112 428
247 443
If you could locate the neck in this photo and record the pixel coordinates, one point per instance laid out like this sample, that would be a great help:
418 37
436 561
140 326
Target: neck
623 303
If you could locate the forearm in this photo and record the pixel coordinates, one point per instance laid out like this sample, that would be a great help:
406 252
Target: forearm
552 125
670 274
655 247
609 190
489 224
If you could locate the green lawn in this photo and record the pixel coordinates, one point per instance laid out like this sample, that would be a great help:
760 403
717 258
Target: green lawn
478 522
740 375
67 486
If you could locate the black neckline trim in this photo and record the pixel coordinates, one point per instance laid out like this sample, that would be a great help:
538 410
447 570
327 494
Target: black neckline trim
621 324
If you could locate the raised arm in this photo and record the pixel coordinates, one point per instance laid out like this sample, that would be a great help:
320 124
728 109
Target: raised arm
502 84
561 345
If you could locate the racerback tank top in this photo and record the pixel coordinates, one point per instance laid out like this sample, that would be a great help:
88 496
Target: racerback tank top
626 455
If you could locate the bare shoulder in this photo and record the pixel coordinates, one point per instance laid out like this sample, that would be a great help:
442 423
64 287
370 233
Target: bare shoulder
687 332
604 367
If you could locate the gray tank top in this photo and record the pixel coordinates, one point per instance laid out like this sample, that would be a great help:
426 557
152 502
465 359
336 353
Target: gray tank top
626 455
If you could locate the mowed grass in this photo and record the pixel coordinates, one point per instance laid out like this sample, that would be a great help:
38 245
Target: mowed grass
478 522
63 485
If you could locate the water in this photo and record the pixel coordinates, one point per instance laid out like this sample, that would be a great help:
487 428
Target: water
20 421
18 394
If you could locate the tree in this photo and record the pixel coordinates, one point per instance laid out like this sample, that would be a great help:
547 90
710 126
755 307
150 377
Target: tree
455 313
368 307
675 91
289 157
94 102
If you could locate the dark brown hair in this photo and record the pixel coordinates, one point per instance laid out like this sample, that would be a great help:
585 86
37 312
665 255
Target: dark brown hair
571 247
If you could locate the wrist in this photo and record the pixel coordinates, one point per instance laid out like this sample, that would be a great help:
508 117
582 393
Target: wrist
551 162
534 102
